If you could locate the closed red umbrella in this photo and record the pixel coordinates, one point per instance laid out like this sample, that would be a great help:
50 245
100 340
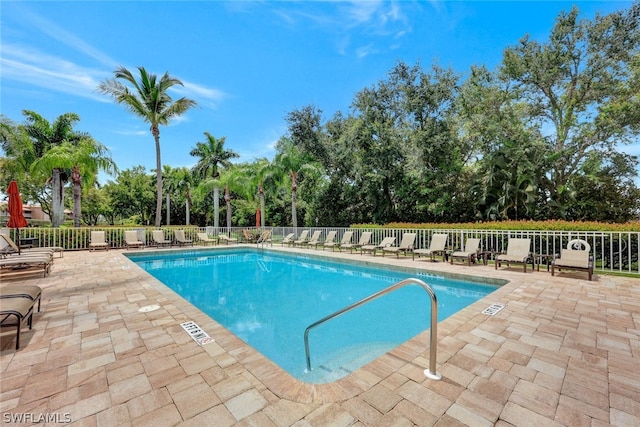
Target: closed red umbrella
16 217
258 218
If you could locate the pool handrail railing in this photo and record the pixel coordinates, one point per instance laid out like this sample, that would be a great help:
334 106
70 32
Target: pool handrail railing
430 372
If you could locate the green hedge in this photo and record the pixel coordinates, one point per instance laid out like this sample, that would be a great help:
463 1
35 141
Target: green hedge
552 225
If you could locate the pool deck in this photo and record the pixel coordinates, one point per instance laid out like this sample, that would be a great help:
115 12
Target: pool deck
563 351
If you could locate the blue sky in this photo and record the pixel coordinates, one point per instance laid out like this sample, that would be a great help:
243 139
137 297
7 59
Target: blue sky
247 64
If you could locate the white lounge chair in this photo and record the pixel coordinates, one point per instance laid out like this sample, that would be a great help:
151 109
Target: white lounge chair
131 239
24 264
180 238
14 312
33 292
98 241
518 252
436 247
304 237
8 246
346 240
365 238
575 257
159 240
406 245
470 252
314 240
386 242
227 239
329 241
289 239
204 237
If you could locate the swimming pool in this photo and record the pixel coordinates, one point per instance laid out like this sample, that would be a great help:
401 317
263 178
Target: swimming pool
268 299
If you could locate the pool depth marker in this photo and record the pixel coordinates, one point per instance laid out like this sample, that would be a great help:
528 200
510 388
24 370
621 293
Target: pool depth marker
198 335
493 309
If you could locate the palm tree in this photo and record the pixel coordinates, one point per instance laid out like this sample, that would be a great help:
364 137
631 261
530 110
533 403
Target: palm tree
84 159
45 136
212 155
292 162
263 172
178 182
150 101
168 187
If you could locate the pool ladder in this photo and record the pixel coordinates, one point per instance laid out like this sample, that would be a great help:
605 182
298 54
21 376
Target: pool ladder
433 333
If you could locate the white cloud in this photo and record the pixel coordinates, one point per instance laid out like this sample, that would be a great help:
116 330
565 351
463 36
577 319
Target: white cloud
205 96
371 24
65 37
40 69
37 68
365 51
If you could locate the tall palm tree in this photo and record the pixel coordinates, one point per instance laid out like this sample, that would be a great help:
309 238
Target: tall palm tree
150 101
212 155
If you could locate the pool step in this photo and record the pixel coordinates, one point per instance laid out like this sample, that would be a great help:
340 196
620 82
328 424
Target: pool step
344 361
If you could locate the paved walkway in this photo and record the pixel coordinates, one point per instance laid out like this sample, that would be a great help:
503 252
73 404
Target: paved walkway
563 351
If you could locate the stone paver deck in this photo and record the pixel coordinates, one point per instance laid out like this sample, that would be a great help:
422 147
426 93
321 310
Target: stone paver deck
564 351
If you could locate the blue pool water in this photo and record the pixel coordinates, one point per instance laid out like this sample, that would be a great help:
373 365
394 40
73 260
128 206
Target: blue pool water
268 299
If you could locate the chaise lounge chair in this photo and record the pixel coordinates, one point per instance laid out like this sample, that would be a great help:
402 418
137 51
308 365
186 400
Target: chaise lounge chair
181 240
159 240
386 242
436 247
365 238
314 240
14 312
131 239
329 240
204 237
24 264
470 252
346 239
406 245
33 292
518 252
8 246
226 239
574 257
304 237
289 239
98 241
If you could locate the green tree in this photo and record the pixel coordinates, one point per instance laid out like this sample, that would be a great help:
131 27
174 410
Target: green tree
572 83
605 190
54 150
290 164
148 98
232 180
512 154
132 194
85 159
183 184
212 155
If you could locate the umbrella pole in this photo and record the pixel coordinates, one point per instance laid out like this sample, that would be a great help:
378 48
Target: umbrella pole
18 239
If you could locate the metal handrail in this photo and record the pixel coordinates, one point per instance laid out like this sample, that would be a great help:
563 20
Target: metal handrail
431 371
